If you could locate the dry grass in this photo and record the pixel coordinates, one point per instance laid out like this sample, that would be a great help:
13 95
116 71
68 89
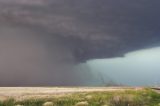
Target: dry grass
85 97
22 93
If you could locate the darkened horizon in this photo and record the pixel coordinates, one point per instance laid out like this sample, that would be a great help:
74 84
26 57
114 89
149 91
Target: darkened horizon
50 42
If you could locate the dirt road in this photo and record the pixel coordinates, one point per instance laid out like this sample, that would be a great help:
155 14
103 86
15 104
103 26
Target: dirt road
157 89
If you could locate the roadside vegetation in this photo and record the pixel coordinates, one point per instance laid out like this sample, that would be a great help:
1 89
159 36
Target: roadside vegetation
145 97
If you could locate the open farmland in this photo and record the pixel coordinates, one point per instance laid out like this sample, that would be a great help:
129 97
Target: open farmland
40 92
78 96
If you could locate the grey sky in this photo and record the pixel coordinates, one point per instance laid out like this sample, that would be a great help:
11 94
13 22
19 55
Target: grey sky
43 40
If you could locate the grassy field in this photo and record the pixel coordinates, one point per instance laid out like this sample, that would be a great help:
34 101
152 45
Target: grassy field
127 97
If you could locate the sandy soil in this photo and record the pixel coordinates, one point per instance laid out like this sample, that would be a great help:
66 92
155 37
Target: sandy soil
21 93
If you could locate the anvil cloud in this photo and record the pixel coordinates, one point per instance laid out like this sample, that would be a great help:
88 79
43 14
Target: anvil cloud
62 33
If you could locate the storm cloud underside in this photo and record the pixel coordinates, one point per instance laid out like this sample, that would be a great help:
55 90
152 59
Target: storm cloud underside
41 41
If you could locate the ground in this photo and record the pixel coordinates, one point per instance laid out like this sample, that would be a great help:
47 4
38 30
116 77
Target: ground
88 96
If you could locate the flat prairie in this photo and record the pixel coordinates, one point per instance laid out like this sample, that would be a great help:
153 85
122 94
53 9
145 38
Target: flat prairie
79 96
21 93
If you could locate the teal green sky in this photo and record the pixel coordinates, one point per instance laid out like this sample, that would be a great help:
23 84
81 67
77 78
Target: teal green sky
135 68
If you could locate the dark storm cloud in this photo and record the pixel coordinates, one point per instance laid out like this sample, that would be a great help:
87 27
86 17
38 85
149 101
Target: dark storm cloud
72 31
91 28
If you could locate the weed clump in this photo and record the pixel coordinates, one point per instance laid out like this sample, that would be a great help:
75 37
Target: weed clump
48 104
85 103
125 100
